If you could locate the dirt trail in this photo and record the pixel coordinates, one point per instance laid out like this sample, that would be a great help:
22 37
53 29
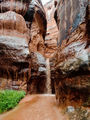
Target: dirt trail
35 107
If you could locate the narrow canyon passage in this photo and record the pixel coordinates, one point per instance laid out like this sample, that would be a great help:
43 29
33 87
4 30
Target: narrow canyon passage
40 107
45 51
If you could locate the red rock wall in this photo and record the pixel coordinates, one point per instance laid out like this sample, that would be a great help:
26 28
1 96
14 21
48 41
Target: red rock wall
18 6
52 30
38 25
22 32
71 63
14 52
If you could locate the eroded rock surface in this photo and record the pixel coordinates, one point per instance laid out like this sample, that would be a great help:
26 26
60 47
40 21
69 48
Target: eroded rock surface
71 63
14 51
52 30
18 6
36 18
37 82
22 32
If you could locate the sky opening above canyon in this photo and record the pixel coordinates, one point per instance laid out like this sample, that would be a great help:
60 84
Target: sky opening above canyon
44 1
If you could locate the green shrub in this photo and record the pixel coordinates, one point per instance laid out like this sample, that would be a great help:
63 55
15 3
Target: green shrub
9 99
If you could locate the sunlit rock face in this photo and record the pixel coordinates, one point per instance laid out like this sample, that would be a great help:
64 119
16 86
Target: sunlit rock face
19 28
71 64
36 19
52 30
13 24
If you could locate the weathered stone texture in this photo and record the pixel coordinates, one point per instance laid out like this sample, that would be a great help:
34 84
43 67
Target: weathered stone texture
14 51
72 60
18 6
52 30
22 32
38 24
37 82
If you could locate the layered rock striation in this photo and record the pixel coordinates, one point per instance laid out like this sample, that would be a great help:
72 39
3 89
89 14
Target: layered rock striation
52 30
71 63
18 6
22 32
36 20
14 51
37 23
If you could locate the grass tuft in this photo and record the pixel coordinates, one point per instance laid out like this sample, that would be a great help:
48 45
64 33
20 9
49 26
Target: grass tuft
9 99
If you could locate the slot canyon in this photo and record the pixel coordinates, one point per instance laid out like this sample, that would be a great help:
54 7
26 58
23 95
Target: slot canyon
45 51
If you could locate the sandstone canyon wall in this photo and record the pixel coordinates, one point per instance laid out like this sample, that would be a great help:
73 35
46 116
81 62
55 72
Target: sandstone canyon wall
70 66
52 30
22 33
27 39
14 52
38 25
